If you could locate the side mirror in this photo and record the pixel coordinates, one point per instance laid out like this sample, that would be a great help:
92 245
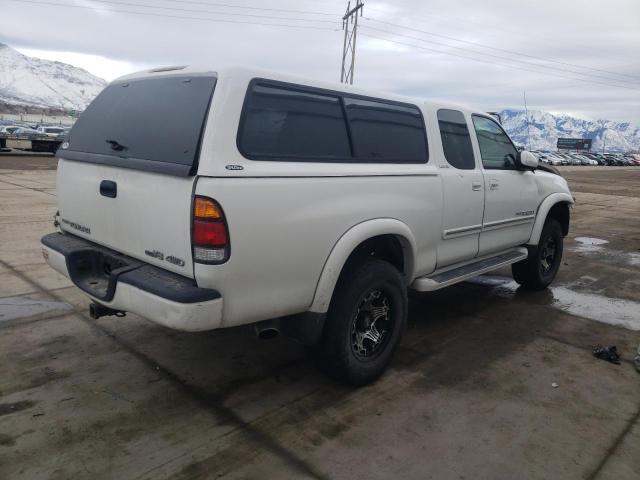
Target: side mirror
527 160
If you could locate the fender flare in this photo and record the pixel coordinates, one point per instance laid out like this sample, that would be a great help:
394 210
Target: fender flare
347 243
543 211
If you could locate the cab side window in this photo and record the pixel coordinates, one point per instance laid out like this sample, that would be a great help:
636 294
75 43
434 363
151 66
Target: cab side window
496 149
456 141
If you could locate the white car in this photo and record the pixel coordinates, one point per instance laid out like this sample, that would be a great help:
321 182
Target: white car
51 131
8 129
303 207
553 159
586 160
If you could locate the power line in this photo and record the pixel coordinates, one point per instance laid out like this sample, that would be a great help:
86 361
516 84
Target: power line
512 52
190 10
493 63
536 65
244 7
162 15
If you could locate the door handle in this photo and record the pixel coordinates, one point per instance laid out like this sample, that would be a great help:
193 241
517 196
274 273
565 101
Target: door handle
108 188
475 186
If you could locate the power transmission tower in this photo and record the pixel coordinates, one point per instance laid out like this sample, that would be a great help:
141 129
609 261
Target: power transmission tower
349 47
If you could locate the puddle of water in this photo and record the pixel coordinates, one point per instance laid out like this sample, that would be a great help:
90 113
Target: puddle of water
591 245
503 286
591 241
12 308
489 280
594 306
614 311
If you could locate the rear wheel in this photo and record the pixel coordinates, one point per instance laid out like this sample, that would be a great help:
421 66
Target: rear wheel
364 324
539 269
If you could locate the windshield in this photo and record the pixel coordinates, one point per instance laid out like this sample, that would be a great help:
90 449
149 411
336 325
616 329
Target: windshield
149 124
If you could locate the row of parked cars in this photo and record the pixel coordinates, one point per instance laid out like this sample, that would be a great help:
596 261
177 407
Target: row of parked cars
588 158
36 138
48 130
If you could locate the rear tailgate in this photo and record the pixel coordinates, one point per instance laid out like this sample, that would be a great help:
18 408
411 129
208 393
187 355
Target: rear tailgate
148 219
126 176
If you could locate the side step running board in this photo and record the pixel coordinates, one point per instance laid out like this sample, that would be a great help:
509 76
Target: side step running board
443 278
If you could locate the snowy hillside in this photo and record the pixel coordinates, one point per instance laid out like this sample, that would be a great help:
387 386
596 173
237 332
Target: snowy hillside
33 82
545 129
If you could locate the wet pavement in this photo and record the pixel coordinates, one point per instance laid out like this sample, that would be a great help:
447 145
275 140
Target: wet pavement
468 395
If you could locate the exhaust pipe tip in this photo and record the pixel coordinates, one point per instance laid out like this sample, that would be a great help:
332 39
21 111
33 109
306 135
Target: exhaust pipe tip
267 329
96 311
268 333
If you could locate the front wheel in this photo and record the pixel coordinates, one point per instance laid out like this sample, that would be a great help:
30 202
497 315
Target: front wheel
367 316
539 269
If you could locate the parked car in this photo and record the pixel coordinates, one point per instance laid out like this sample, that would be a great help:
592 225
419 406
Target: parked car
554 160
25 131
21 139
51 131
575 159
583 160
9 128
614 162
617 160
295 205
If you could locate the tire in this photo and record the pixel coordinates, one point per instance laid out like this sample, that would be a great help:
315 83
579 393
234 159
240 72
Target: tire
348 350
539 269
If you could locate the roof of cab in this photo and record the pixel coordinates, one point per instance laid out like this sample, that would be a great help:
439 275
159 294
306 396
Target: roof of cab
247 73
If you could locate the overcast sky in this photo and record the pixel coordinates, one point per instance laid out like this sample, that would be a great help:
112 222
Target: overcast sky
579 57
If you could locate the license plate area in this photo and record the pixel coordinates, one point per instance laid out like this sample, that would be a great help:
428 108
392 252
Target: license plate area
96 272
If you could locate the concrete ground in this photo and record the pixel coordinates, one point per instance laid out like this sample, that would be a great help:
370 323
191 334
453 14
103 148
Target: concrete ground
468 395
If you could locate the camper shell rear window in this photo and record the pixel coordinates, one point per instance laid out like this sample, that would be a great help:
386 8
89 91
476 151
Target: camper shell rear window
152 124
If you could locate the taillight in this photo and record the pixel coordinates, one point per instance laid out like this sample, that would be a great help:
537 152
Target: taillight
209 233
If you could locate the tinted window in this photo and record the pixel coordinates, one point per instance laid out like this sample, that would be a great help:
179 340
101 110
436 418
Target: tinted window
154 119
384 132
456 141
284 123
496 148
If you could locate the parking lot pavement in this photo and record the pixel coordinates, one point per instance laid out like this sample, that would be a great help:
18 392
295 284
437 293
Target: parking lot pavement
469 394
16 160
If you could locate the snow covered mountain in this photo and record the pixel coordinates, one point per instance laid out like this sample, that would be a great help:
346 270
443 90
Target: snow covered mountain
545 129
29 83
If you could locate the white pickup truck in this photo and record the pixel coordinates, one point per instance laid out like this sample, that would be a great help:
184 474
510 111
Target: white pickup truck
205 199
